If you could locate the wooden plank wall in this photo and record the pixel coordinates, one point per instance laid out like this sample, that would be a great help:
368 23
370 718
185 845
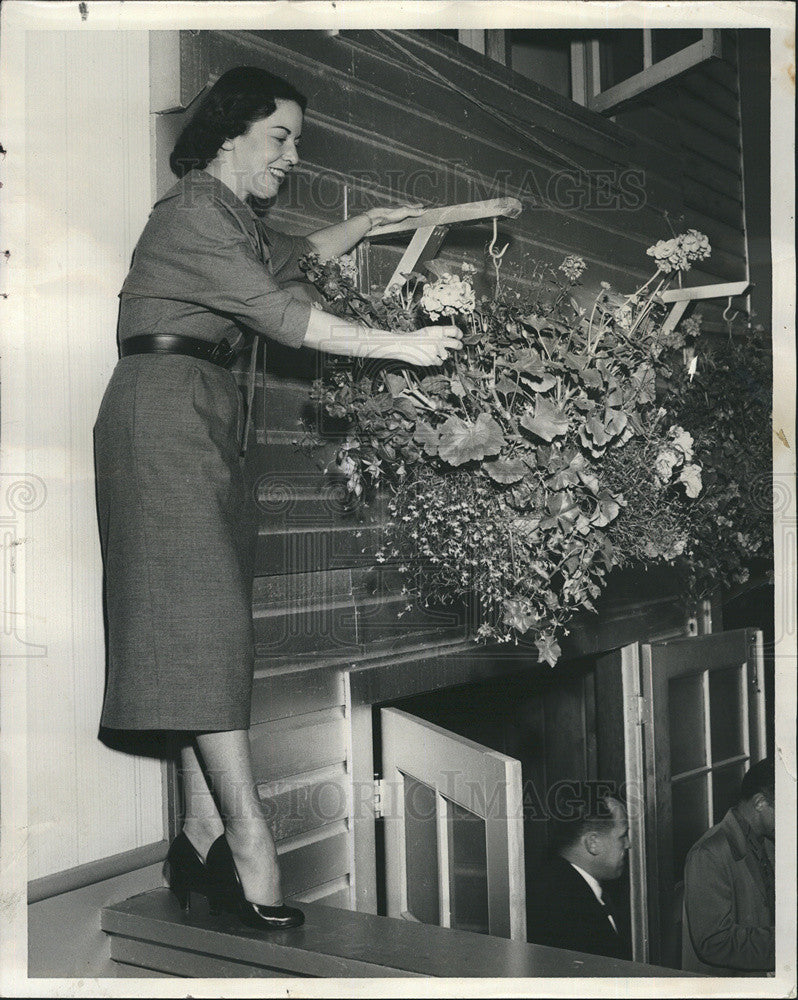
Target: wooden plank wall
381 128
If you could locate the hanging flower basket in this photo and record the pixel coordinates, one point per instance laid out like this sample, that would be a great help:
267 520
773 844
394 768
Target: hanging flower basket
537 458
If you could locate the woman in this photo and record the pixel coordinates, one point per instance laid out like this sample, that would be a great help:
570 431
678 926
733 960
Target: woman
175 532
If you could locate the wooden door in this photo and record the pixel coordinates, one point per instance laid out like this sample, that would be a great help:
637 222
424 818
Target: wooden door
703 724
453 817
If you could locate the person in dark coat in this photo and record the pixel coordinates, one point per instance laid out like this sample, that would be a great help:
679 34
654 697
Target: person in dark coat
729 911
176 533
569 905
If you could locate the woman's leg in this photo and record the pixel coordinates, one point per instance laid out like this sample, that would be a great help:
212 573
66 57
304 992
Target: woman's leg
202 823
227 763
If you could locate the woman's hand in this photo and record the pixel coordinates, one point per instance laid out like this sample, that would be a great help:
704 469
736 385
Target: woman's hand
386 216
425 348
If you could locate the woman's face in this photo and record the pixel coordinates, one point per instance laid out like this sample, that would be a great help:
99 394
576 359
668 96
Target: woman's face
263 156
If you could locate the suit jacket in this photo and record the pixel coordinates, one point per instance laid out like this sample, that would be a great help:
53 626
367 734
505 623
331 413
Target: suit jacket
563 912
727 927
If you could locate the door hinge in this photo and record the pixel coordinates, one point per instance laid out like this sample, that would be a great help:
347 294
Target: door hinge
641 709
378 800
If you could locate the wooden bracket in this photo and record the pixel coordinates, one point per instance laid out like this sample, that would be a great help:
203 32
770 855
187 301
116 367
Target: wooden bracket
423 246
682 297
429 229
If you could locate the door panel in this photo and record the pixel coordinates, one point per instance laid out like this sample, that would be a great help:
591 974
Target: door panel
703 724
453 829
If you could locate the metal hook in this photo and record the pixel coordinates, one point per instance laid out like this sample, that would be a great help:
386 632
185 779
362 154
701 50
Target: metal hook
496 254
733 317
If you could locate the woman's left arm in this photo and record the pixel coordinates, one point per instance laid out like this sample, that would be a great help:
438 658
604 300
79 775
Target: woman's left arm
340 238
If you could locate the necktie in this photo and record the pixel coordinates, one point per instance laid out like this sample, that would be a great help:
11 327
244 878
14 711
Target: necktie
608 911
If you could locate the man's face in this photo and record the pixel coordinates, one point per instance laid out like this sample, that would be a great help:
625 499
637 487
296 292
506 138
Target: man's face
612 844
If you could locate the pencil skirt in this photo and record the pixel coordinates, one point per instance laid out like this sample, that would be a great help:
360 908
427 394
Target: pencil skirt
177 534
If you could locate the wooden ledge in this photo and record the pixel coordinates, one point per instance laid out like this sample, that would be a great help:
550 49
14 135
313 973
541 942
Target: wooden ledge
149 931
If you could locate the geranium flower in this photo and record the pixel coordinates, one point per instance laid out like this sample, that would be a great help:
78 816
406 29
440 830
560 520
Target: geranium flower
448 296
678 253
573 267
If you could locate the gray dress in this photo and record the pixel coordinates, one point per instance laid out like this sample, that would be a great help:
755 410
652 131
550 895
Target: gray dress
176 528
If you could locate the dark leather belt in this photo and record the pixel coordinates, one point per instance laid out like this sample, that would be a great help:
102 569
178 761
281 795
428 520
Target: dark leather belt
221 354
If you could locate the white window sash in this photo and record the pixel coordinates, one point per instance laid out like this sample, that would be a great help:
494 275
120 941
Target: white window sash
709 47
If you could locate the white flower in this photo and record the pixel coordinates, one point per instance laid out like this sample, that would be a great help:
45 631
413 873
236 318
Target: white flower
664 464
679 253
683 440
347 262
691 477
623 315
448 296
573 267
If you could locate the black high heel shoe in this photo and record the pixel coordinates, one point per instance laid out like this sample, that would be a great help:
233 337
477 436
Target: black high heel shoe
227 893
185 871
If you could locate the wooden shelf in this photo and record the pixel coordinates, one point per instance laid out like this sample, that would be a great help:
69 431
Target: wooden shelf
149 931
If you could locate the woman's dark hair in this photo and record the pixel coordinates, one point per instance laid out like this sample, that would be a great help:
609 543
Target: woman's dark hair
239 97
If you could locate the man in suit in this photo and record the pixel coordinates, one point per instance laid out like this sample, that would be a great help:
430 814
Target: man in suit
568 904
729 886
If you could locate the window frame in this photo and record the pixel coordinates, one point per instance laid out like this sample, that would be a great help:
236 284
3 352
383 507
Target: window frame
481 781
586 70
659 663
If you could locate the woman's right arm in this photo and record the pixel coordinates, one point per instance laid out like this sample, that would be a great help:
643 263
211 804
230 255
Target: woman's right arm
333 335
200 254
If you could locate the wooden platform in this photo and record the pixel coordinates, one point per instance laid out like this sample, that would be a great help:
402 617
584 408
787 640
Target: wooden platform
150 932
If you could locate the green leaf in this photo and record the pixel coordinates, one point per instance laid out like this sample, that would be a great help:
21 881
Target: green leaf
590 481
427 437
506 386
564 478
614 421
405 407
548 649
435 385
395 383
644 381
461 442
506 470
566 468
606 511
548 421
529 364
593 433
562 504
534 321
592 378
518 615
615 396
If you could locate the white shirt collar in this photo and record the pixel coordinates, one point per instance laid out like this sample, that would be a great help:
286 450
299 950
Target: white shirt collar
593 883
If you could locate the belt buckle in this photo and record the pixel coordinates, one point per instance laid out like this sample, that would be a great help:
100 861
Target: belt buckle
222 353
